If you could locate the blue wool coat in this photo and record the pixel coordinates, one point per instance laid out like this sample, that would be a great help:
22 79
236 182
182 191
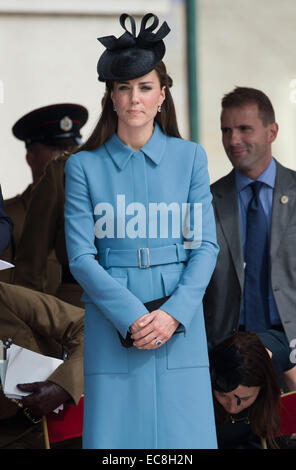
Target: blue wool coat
142 398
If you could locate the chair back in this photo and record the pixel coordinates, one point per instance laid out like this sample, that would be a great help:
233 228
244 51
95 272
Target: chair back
287 414
67 424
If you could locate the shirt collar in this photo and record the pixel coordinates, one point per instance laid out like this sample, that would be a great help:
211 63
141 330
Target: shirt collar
121 153
267 177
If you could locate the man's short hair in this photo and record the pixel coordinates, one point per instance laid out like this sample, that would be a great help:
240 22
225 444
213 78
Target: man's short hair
242 96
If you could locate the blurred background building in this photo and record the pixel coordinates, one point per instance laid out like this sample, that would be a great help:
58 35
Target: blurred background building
49 52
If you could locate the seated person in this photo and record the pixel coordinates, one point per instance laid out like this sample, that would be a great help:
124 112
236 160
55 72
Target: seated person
246 388
46 325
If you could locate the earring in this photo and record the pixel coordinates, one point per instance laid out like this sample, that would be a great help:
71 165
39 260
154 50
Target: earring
114 107
159 108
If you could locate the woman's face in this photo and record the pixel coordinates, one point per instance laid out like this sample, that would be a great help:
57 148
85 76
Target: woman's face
136 101
238 399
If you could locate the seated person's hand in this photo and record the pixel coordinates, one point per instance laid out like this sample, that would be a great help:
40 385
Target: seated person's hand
44 398
153 330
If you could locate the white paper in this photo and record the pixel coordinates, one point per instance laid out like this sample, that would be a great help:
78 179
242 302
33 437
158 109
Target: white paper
5 265
58 409
25 366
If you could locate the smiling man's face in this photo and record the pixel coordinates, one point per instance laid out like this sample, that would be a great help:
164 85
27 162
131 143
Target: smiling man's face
246 140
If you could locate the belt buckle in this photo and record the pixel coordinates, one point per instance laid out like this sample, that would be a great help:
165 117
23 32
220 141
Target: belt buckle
141 266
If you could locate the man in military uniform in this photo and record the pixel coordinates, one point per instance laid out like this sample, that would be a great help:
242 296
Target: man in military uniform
6 226
46 224
47 132
46 325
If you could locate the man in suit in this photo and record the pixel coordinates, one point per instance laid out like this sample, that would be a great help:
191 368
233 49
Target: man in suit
6 226
46 325
248 130
46 132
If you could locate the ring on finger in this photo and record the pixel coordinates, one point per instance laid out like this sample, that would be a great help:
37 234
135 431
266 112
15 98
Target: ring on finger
157 341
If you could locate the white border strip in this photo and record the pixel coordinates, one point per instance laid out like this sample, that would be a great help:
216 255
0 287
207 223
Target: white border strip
86 7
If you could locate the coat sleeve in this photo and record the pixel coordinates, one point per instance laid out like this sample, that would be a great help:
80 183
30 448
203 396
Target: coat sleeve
50 318
6 226
114 300
186 299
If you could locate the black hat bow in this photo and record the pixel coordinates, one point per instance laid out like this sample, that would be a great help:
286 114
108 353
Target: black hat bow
131 56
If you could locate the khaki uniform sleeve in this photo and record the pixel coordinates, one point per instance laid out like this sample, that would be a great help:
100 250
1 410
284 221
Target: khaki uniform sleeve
39 234
52 318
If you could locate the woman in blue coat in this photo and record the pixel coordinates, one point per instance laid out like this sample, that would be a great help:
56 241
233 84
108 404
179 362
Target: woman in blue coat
140 227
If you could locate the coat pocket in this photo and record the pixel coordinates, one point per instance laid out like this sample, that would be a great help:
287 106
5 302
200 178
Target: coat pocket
171 279
104 353
187 351
190 350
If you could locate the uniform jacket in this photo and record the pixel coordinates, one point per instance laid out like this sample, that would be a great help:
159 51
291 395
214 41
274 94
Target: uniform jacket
17 208
6 226
136 398
222 302
43 324
44 228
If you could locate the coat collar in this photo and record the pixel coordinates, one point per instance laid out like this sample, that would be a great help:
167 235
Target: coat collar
121 153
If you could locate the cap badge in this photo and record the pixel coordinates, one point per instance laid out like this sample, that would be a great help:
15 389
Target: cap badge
66 124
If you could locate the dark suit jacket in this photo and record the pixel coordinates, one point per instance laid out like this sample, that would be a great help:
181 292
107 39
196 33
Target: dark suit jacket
222 301
6 226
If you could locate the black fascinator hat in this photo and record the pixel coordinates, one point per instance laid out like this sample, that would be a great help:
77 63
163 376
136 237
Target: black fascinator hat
132 56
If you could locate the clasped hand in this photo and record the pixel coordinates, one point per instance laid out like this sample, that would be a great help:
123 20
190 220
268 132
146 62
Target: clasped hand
151 326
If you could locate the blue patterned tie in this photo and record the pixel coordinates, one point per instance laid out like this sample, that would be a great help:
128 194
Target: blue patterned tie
256 271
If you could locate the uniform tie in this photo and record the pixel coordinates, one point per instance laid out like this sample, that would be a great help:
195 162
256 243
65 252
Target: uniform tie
256 270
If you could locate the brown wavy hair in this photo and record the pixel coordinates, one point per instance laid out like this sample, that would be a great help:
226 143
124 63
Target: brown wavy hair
258 371
107 124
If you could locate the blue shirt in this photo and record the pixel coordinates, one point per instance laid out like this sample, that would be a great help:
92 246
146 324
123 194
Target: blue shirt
244 193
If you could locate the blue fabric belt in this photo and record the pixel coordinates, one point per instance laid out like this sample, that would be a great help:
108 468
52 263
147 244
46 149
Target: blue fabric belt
143 257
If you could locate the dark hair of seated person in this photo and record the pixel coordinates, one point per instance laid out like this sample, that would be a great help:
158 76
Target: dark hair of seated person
243 360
